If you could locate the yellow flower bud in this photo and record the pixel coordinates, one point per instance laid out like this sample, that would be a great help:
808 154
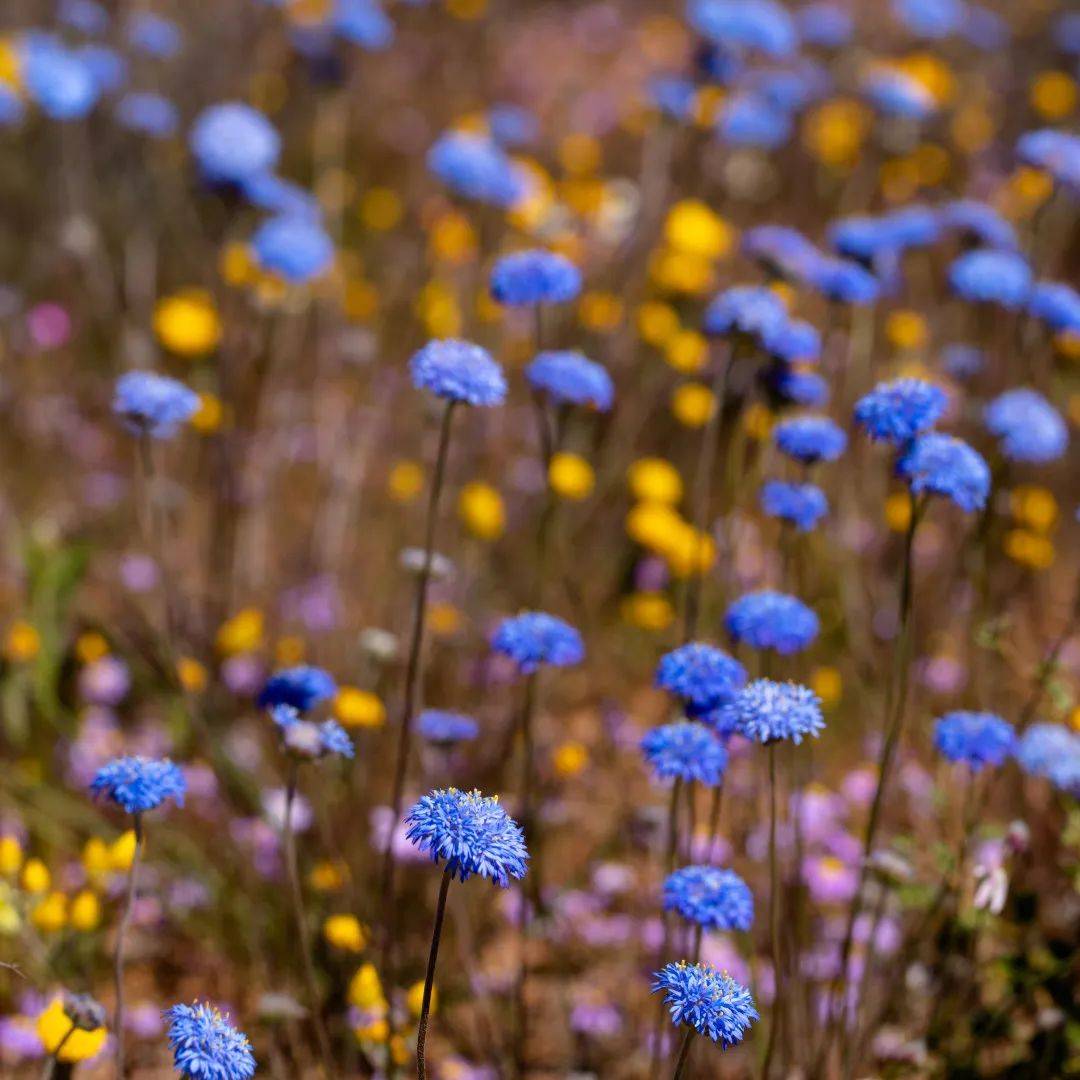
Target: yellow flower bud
95 858
655 480
416 998
692 404
359 708
345 932
571 476
22 643
405 482
480 507
241 633
122 852
85 911
187 323
36 877
10 856
50 915
570 758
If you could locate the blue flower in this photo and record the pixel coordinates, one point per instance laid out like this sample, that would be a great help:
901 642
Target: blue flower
107 67
1029 427
364 23
713 898
703 676
771 711
1051 751
335 739
686 751
978 222
974 738
673 96
512 125
472 833
800 387
232 141
793 341
153 404
745 25
206 1046
270 192
296 247
895 93
810 439
986 276
86 16
148 114
710 1002
842 281
825 24
138 784
781 250
445 728
476 168
301 687
913 226
154 35
861 236
458 371
307 739
939 464
772 620
750 120
931 19
744 309
962 361
1053 151
897 411
803 505
570 378
534 638
1067 32
58 80
534 277
1057 305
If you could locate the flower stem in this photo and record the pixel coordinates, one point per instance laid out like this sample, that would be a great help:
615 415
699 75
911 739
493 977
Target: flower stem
50 1061
774 920
118 959
668 865
433 955
684 1054
532 897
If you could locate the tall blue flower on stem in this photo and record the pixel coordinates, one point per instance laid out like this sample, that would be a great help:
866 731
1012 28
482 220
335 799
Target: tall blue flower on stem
701 676
772 620
1027 426
135 785
937 464
206 1046
471 834
895 412
710 897
975 739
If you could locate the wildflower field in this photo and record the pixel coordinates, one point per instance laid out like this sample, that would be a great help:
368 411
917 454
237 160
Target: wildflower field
539 539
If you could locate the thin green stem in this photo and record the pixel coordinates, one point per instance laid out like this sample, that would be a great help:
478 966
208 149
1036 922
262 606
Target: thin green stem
429 980
121 937
529 897
684 1054
51 1060
774 920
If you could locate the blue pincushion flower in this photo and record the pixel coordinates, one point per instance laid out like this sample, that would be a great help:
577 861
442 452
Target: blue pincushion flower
471 833
711 897
535 638
783 251
534 277
152 404
1054 151
913 226
748 119
897 411
1051 751
673 96
148 113
991 277
803 505
268 191
710 1002
772 620
570 378
512 125
825 24
293 246
306 739
793 341
154 35
363 23
335 739
60 81
1029 427
458 371
800 387
810 439
445 728
978 222
939 464
842 281
86 16
301 687
685 751
769 711
138 784
862 237
476 168
895 93
745 25
702 676
232 141
206 1046
1057 305
744 309
974 738
932 19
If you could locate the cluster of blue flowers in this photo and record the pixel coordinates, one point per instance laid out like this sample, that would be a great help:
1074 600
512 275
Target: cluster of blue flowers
801 505
301 688
446 728
975 739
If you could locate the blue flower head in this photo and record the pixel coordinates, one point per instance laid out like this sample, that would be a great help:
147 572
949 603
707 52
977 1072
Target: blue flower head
842 281
932 19
782 251
534 277
686 751
712 898
512 125
293 246
710 1002
570 378
738 26
476 168
151 404
1057 305
534 638
268 191
897 411
1051 751
751 120
1055 152
797 387
673 96
206 1046
825 24
810 439
106 66
772 620
991 277
937 464
802 505
862 237
154 35
895 93
793 341
458 371
744 309
57 79
978 222
445 728
974 738
138 784
1029 427
148 114
86 16
301 687
232 141
771 711
702 676
363 23
472 833
335 739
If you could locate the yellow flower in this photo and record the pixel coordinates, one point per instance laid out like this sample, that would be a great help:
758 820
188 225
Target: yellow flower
579 154
328 876
361 301
365 989
571 476
359 708
36 878
122 852
95 858
688 552
406 481
600 312
452 238
10 856
481 510
191 673
931 73
972 128
648 611
85 913
657 322
437 306
237 265
693 228
906 330
651 524
1034 507
898 511
241 633
444 620
50 914
1029 549
1054 94
381 208
681 272
187 323
687 351
827 684
655 480
90 646
210 414
399 1051
10 63
22 643
415 998
692 404
10 921
53 1027
834 132
345 932
570 758
378 1031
